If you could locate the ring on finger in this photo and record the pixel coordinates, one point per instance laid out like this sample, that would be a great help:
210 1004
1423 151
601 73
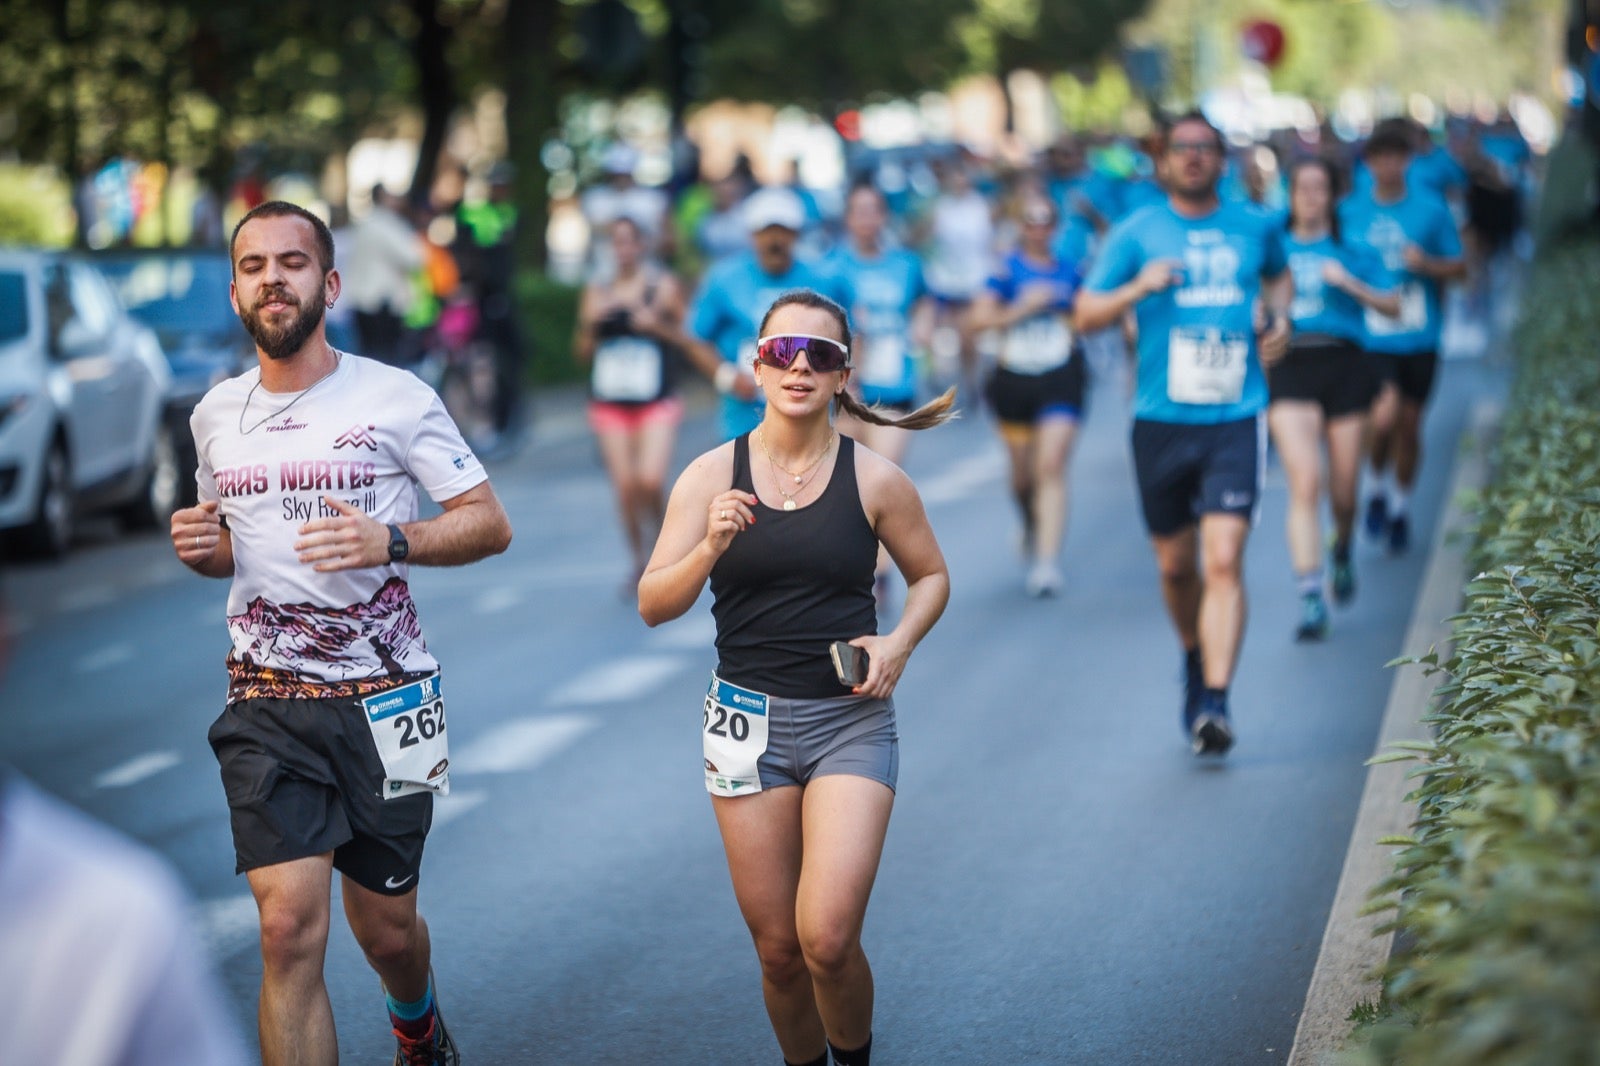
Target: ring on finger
722 514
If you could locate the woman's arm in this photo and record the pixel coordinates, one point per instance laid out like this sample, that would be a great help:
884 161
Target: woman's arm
703 517
1385 303
583 339
895 509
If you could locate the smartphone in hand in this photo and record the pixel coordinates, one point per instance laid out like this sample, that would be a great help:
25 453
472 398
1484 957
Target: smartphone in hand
849 662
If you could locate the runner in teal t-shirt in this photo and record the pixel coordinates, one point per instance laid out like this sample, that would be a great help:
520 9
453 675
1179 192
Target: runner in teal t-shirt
892 318
1417 239
737 292
1210 287
1323 388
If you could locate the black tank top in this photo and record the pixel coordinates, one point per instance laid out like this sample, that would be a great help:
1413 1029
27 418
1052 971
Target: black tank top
793 583
658 376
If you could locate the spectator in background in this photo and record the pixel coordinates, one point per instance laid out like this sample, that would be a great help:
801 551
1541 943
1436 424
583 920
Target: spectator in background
721 234
620 196
101 965
485 247
385 253
960 251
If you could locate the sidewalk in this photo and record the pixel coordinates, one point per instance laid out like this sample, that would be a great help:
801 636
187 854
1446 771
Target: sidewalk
1352 949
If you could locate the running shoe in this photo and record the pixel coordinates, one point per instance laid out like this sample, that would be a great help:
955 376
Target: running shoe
1044 579
1377 515
1313 618
1343 580
1399 535
1211 734
434 1049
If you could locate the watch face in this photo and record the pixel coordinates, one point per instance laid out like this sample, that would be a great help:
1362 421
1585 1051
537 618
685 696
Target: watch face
399 548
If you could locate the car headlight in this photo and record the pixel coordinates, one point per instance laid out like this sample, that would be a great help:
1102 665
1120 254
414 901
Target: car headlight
14 405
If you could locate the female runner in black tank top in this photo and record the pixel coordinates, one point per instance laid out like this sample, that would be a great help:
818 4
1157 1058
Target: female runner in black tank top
804 907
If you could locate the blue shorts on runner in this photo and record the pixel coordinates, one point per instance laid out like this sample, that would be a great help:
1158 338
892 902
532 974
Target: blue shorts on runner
1185 471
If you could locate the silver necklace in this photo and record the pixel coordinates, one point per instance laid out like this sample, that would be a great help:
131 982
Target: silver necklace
800 479
337 357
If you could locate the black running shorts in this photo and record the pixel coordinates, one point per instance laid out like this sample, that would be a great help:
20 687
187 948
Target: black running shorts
303 777
1337 376
1024 399
1412 374
1186 471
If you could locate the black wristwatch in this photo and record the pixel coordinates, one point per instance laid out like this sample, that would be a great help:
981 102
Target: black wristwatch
399 547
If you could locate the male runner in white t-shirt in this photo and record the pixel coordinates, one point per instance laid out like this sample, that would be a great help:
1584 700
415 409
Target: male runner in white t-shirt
332 743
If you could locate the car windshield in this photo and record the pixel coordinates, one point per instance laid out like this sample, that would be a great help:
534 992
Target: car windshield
175 294
13 307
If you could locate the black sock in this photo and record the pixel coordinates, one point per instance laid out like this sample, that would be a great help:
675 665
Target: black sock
861 1056
1191 660
1217 695
820 1060
1341 551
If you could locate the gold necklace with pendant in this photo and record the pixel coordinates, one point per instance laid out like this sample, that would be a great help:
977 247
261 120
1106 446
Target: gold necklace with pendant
800 479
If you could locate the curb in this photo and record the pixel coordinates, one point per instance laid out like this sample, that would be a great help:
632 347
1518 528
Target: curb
1352 949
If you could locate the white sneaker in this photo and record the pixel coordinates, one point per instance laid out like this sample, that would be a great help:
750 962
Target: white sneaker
1044 579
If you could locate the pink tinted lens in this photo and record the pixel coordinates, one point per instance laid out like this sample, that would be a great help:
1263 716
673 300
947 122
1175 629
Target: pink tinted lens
823 356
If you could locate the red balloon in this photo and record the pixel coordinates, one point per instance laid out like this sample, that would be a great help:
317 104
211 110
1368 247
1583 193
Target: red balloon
1263 41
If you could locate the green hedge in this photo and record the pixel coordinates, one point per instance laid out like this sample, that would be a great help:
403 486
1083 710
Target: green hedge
549 312
1497 894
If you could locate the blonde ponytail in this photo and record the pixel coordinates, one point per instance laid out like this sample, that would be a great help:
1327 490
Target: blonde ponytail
935 412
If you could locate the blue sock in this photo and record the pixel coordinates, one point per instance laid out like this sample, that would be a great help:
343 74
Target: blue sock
411 1012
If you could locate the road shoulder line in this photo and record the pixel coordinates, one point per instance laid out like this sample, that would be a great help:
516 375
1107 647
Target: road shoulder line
1351 949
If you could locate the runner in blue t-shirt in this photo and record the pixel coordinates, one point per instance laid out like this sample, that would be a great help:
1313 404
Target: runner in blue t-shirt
1323 387
1210 287
1037 390
737 292
892 318
1416 237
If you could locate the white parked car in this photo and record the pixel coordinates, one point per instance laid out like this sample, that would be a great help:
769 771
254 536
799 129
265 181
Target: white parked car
81 389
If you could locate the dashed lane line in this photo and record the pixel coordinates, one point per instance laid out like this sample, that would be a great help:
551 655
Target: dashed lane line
619 680
104 658
137 769
519 745
961 479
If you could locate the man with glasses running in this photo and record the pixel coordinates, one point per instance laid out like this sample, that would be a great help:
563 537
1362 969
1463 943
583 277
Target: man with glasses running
1209 286
722 326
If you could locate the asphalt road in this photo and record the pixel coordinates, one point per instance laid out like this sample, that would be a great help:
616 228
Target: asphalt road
1063 881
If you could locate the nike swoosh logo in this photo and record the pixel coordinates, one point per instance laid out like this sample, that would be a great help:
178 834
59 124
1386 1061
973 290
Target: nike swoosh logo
392 883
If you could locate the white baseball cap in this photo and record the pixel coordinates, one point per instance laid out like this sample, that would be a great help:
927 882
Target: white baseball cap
774 206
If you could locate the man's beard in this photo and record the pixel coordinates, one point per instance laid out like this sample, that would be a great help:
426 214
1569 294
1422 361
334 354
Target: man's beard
281 342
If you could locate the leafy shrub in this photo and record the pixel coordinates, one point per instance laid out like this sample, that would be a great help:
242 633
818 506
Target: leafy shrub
35 207
1497 895
549 312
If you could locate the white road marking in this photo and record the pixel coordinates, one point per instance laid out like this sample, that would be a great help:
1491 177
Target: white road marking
137 769
961 479
447 809
695 632
519 745
104 658
228 925
496 600
86 599
619 680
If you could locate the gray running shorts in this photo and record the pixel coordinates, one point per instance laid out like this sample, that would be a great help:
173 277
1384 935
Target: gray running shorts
805 738
838 735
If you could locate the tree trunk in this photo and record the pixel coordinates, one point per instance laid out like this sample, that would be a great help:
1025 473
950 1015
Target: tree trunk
531 116
437 91
71 164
